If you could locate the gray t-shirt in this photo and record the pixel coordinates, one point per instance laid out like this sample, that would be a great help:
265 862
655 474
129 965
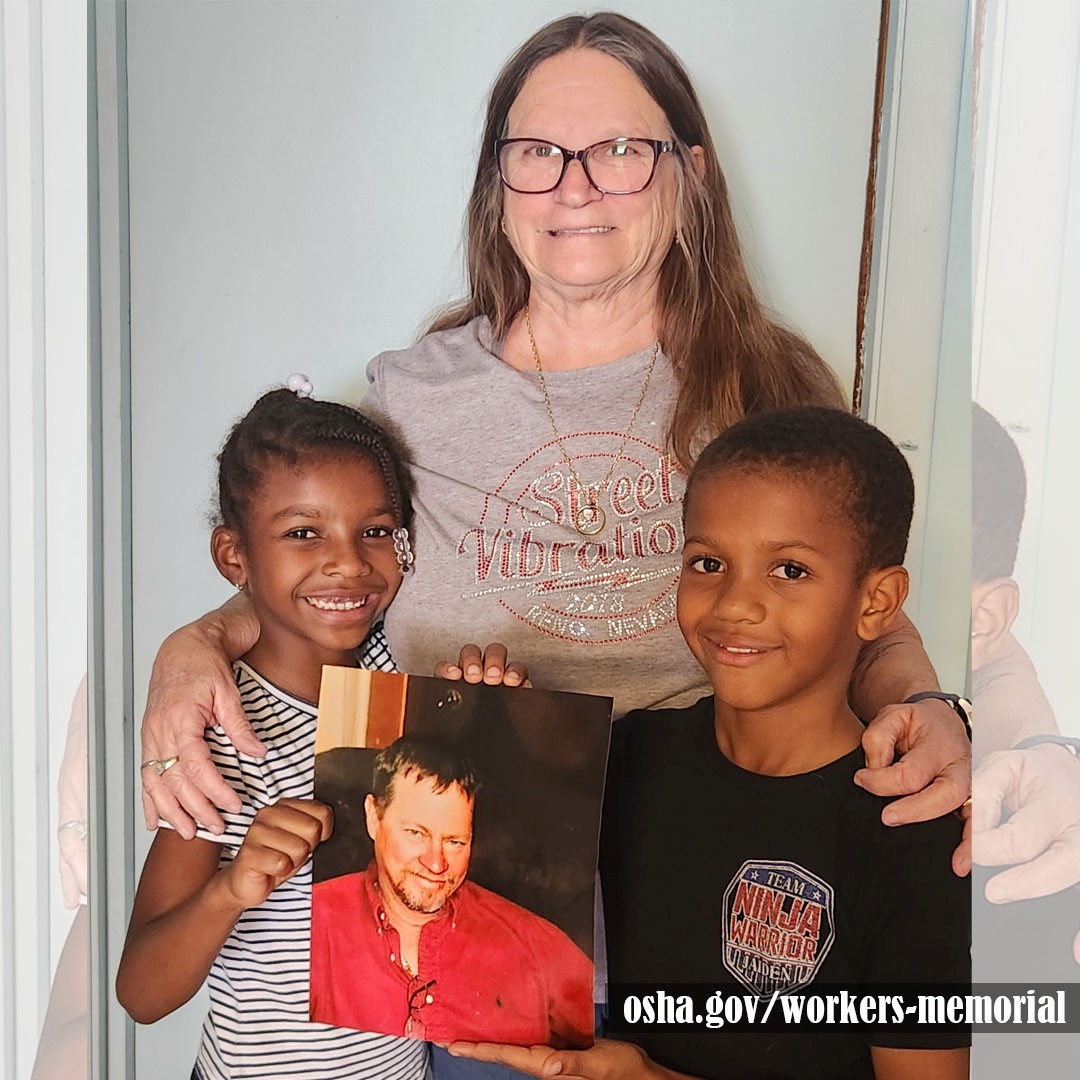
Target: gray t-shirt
497 556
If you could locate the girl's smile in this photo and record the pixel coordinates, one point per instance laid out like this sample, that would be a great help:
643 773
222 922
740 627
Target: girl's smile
317 558
342 603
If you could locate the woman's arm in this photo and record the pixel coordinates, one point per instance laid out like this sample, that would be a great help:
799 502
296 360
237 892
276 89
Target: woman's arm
186 907
191 688
935 769
892 1064
892 668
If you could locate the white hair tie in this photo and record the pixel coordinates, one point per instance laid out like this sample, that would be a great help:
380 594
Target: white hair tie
299 384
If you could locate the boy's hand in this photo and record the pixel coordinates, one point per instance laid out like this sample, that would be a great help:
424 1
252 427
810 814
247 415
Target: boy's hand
279 842
489 667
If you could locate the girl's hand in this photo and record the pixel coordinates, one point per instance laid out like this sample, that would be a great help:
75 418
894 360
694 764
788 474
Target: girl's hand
608 1059
279 842
490 667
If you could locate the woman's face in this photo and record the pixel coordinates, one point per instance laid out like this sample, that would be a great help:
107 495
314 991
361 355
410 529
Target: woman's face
575 241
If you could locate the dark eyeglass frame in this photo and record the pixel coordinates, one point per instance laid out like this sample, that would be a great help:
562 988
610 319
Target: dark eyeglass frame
414 1023
660 146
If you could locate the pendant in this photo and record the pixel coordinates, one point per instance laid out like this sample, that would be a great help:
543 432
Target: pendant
589 519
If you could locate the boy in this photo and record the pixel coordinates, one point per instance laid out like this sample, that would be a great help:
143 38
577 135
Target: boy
737 852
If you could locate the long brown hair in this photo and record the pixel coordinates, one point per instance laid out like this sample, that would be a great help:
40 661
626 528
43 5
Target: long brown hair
730 358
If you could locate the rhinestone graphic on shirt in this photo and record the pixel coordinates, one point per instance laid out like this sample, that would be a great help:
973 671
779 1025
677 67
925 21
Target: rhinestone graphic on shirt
613 586
778 926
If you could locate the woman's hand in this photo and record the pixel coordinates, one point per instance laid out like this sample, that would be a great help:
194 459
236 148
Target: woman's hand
934 771
280 840
192 687
608 1059
489 667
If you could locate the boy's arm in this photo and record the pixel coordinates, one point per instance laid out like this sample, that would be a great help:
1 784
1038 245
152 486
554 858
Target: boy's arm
186 907
916 930
893 1064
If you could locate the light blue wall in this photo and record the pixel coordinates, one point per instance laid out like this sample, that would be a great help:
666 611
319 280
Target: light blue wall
278 221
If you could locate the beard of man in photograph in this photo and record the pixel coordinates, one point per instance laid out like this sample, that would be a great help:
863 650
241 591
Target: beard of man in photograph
410 947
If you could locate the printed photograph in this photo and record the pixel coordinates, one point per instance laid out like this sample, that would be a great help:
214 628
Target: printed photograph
455 898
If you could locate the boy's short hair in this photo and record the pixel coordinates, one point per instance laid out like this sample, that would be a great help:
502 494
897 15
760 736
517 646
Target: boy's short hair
859 469
998 494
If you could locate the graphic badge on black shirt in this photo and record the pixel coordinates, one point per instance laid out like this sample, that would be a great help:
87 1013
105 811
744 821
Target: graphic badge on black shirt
778 926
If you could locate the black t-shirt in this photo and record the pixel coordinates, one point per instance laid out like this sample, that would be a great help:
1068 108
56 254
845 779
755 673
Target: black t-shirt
715 875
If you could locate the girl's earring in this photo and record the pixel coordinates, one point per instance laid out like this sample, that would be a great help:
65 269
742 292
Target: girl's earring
403 549
240 585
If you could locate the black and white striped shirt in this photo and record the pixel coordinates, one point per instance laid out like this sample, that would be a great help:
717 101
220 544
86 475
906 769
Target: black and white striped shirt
258 1023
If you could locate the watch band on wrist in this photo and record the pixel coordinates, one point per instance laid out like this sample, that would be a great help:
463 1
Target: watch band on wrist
1070 744
959 705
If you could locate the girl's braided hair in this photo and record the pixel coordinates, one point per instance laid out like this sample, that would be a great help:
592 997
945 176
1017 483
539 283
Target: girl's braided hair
284 428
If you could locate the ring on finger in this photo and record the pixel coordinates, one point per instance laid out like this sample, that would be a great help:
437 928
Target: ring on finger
161 767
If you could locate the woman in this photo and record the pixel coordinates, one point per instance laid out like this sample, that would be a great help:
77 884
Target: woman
610 330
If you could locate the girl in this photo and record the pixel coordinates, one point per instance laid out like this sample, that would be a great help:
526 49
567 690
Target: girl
314 516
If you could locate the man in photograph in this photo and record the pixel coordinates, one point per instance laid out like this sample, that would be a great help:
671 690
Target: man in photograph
410 947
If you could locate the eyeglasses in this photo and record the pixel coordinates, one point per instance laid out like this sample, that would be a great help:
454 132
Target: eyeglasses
419 996
613 167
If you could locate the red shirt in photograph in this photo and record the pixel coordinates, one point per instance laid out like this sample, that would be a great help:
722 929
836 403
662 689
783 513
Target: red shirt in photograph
490 971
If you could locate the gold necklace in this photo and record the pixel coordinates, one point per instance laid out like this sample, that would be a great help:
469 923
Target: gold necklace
589 518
